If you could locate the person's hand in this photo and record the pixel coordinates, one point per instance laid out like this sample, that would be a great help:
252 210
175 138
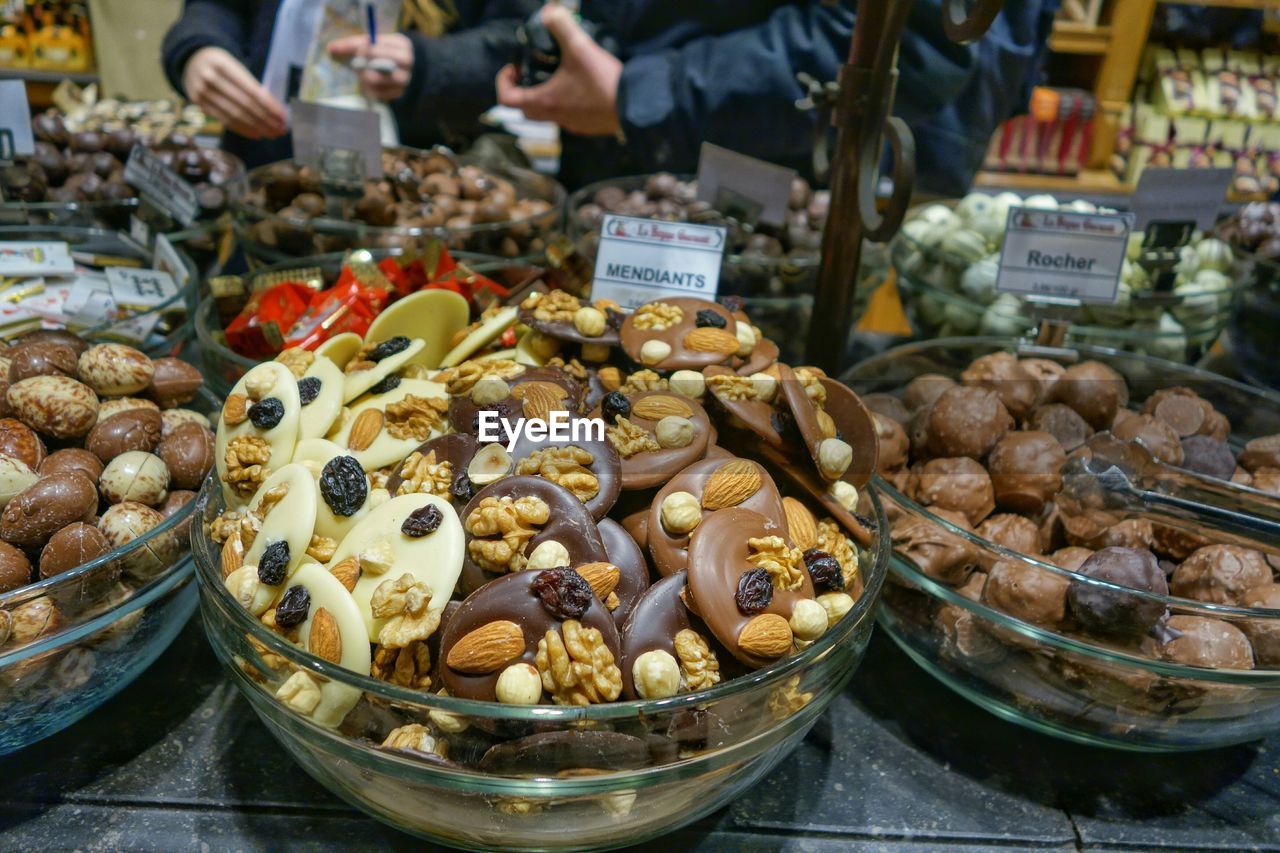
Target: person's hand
220 85
582 95
393 51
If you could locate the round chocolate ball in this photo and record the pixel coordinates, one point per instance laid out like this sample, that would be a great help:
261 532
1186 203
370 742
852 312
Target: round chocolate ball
1094 390
1002 373
1220 574
1160 439
280 183
1110 612
967 421
1062 422
1204 642
1208 457
924 390
1028 593
958 484
1015 532
1026 470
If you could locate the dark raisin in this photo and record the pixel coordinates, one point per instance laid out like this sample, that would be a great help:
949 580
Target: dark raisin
564 593
707 318
293 608
614 319
732 303
343 485
388 384
273 562
755 591
266 413
824 570
308 389
784 424
462 488
866 521
389 347
614 405
422 521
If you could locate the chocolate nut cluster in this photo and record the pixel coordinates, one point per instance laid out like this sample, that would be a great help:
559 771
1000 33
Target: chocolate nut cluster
986 453
97 448
422 191
88 166
698 517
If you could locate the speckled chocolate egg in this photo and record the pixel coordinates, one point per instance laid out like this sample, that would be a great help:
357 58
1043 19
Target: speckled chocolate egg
188 451
131 430
135 476
47 506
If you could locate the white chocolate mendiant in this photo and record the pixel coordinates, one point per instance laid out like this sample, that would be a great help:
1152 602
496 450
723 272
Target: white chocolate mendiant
326 591
320 413
386 449
271 379
291 520
362 380
315 453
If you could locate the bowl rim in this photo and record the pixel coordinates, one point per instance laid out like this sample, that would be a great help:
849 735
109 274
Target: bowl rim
209 575
29 592
243 211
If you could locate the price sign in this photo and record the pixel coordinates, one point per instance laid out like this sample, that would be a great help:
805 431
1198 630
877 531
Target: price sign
140 289
30 258
1064 255
744 187
321 132
16 139
1180 195
161 186
168 260
640 260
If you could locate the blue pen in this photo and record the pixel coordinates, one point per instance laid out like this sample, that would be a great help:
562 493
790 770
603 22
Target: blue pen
381 65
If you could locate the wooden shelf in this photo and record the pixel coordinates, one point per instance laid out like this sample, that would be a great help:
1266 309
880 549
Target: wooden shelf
1079 39
1230 4
32 75
1088 182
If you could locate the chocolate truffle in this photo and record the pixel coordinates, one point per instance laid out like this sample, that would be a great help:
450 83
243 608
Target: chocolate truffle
937 552
1176 543
889 406
1113 613
1062 422
1208 457
1026 470
924 390
1002 373
1212 643
1267 480
1261 453
1070 558
1264 634
1220 574
1155 435
1028 593
1014 532
1046 373
1183 410
1094 390
892 442
967 421
958 484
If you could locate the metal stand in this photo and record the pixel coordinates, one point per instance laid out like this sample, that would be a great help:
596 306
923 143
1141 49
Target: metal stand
863 121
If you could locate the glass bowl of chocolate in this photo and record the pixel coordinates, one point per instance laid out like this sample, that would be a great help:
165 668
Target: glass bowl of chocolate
101 450
1039 569
574 640
290 211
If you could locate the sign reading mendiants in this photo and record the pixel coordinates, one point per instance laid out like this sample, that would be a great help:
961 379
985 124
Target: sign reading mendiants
640 260
1063 254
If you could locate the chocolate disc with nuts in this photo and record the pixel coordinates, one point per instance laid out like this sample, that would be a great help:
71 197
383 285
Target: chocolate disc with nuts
439 467
588 467
760 355
563 316
669 647
680 334
752 401
752 587
534 393
625 555
523 523
656 433
694 493
490 647
836 427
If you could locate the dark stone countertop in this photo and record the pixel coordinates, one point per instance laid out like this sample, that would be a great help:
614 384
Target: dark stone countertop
178 761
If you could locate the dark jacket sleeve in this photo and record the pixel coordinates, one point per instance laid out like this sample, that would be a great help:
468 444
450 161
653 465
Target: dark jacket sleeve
205 23
453 74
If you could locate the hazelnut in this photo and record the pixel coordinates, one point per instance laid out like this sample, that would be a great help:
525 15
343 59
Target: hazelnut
834 458
548 555
845 494
656 675
654 351
836 604
492 462
681 513
595 353
589 321
688 383
746 339
673 431
808 620
518 684
765 388
490 390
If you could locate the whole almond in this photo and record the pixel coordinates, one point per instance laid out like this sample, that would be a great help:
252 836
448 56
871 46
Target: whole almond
232 554
540 398
325 640
601 577
365 429
660 406
115 369
348 572
713 340
236 410
54 405
731 484
487 648
765 636
801 524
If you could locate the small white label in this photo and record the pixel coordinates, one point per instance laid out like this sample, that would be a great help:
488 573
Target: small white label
1064 255
139 231
161 186
1180 195
168 260
641 260
742 186
16 139
142 289
36 258
334 139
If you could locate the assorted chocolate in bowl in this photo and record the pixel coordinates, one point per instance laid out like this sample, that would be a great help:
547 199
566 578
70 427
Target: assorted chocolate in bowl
289 211
1018 582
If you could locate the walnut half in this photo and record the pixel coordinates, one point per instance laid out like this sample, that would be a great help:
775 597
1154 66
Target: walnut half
564 466
514 522
784 565
578 668
247 457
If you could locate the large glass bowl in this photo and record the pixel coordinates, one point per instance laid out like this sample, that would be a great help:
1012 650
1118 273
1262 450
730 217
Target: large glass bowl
222 366
704 748
1255 316
257 228
75 640
937 282
1063 682
777 292
176 315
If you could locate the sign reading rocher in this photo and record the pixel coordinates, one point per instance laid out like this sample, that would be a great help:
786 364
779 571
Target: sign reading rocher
1064 255
640 260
